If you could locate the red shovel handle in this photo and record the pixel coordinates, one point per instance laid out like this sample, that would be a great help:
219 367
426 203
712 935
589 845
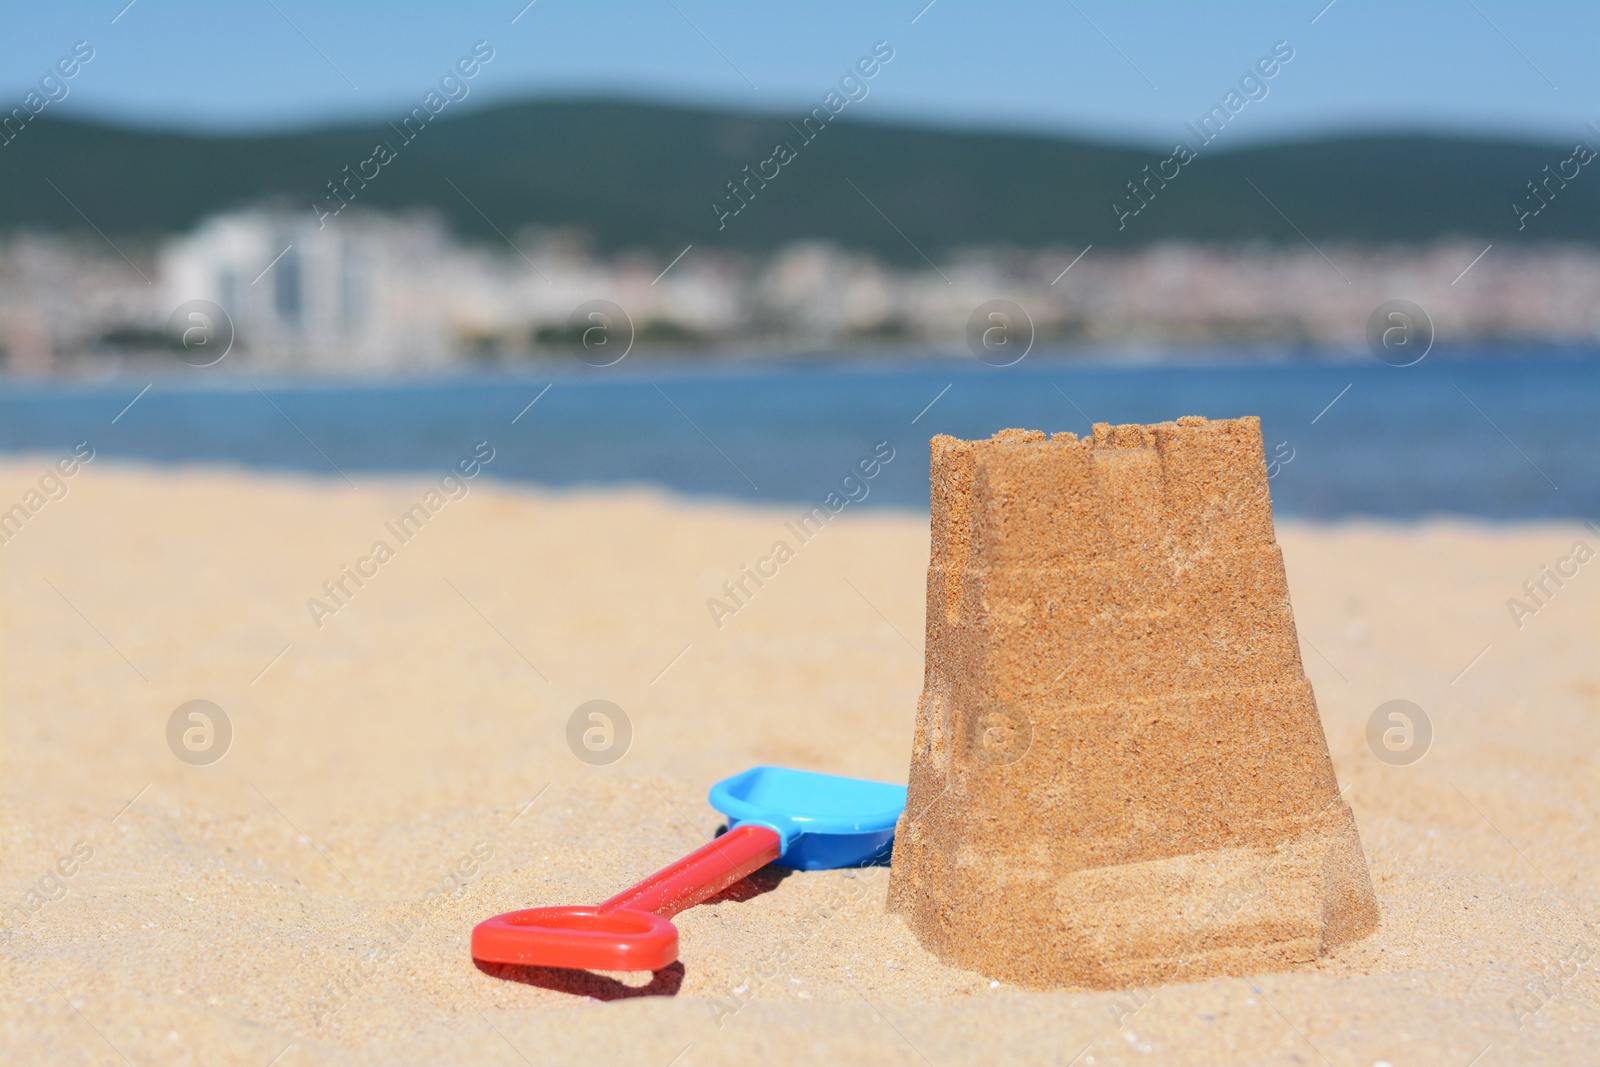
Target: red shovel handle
631 931
702 874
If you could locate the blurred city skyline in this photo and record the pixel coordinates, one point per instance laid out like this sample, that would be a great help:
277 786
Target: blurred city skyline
381 293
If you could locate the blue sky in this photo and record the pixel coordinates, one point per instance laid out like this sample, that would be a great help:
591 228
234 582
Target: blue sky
1132 72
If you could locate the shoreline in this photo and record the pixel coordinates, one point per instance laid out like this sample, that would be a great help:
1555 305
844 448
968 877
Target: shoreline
645 361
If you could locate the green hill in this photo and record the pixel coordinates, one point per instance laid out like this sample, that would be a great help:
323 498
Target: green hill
637 175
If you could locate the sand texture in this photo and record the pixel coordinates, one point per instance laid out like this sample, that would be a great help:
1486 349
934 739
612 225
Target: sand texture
1119 775
403 771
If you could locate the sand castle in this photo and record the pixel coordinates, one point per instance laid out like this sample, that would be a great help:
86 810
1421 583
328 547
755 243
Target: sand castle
1119 775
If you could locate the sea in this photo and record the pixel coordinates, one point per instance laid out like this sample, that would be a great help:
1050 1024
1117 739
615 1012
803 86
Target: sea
1507 436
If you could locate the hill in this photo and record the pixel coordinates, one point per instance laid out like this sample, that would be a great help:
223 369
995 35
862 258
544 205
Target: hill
635 174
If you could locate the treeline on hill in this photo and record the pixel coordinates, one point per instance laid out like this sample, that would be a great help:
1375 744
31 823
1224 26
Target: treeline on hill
641 175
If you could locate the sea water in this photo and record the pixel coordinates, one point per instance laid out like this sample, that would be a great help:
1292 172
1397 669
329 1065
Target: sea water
1501 438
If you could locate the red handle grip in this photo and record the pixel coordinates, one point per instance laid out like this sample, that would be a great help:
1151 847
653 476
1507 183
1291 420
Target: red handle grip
632 930
702 874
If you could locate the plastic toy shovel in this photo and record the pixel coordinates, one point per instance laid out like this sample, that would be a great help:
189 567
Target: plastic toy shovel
797 818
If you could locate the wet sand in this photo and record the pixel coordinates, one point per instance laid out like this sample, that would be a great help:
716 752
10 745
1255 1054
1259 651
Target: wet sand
402 771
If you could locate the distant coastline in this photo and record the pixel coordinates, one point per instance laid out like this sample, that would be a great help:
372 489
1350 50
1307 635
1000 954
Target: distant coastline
375 295
889 239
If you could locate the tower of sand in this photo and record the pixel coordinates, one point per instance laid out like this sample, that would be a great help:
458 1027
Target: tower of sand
1119 775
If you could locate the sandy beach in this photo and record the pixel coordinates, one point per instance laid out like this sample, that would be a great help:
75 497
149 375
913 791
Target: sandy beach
399 770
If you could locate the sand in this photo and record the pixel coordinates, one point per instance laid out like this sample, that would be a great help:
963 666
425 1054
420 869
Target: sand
1119 775
277 903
